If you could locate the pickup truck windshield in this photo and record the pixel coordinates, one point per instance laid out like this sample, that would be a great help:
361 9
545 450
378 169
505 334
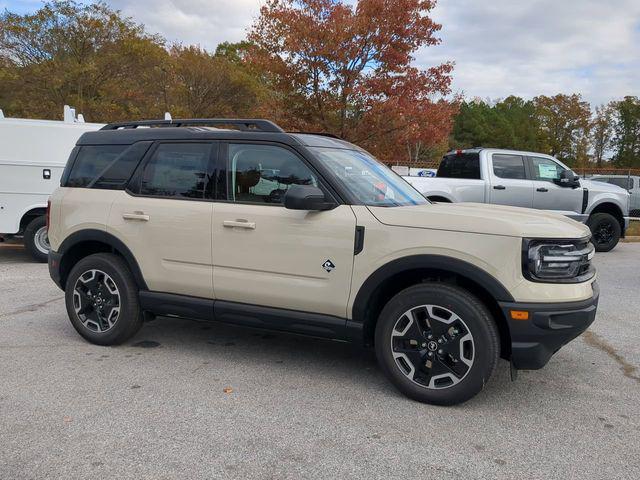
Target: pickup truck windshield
370 181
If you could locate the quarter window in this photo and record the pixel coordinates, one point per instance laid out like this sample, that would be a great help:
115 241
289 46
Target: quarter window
509 166
545 169
91 162
264 173
179 170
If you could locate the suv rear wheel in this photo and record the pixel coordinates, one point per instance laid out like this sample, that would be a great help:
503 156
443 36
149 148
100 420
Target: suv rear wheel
605 231
437 343
102 299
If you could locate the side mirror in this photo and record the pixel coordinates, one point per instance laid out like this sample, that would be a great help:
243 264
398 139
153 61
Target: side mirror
306 197
568 179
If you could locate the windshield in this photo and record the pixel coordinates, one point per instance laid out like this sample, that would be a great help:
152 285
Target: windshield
368 180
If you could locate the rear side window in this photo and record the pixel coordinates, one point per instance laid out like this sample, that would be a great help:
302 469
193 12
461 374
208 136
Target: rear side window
464 165
180 170
509 166
90 163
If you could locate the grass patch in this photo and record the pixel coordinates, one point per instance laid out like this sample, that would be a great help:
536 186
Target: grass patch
634 228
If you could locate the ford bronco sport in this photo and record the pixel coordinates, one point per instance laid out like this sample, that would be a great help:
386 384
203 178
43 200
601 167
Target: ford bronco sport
310 234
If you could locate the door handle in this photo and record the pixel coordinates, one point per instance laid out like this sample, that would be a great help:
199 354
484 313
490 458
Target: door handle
239 224
499 187
136 216
541 189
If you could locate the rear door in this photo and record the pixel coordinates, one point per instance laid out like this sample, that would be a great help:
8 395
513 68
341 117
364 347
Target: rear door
547 194
508 180
267 255
165 217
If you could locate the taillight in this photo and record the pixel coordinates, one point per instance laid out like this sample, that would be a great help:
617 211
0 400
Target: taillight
48 213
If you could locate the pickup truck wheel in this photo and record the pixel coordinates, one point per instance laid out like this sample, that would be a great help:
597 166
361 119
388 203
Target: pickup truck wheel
36 240
437 343
605 231
101 297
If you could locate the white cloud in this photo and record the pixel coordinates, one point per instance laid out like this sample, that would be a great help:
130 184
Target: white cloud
525 48
203 22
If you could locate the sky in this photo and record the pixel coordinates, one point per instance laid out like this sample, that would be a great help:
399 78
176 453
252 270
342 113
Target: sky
500 47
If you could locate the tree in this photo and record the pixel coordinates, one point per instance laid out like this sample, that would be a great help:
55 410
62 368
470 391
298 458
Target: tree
85 55
564 126
347 70
627 132
602 132
510 123
204 85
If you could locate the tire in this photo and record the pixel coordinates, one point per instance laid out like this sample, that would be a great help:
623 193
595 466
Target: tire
605 230
96 312
35 239
465 325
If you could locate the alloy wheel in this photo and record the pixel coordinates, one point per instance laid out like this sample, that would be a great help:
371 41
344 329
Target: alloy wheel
432 346
96 300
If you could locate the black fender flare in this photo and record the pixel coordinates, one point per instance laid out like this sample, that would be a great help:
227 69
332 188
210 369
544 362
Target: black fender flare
93 235
435 262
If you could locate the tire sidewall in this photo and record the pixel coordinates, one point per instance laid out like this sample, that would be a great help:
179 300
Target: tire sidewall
129 307
477 319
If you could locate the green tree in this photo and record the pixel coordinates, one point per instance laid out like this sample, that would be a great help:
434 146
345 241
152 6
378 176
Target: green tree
626 141
564 126
602 130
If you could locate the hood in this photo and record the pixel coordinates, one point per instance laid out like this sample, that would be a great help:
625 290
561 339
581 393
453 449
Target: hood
482 218
596 186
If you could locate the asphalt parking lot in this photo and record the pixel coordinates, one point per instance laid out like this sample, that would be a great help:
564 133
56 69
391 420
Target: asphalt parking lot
300 407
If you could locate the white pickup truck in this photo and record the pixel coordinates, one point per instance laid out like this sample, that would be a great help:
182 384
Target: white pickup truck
532 180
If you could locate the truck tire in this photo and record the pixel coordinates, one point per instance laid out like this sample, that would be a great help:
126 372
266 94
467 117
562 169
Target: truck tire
36 240
605 231
437 343
101 297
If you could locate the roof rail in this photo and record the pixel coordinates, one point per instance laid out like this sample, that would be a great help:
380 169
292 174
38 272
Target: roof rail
322 134
244 124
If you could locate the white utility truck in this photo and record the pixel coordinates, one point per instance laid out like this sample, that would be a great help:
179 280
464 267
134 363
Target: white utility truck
33 154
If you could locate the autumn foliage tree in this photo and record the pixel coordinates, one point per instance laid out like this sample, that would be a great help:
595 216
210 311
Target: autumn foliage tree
348 70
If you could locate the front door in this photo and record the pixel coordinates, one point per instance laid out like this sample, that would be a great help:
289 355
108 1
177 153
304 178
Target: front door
509 182
166 220
548 195
267 255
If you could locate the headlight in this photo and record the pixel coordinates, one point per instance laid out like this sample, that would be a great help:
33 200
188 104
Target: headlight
557 261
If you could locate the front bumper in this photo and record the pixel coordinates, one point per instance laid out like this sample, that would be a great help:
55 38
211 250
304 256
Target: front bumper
54 268
549 327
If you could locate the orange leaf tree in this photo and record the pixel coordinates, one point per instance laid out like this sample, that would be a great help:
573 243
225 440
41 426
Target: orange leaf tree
348 71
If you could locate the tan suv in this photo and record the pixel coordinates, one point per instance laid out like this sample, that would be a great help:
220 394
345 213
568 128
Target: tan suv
310 234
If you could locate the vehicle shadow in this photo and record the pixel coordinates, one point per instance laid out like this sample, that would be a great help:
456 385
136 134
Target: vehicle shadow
14 253
323 361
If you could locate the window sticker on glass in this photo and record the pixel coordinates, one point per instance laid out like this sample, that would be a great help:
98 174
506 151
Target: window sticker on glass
547 171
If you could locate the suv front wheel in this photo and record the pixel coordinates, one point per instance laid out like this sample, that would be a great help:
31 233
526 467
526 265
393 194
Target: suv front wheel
102 299
437 343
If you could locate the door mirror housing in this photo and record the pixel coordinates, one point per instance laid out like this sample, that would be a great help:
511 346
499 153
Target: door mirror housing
307 197
568 179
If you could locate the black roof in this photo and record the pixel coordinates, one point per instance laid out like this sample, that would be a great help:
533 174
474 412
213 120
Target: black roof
126 133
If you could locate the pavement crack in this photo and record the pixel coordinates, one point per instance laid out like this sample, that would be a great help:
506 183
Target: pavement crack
31 308
598 342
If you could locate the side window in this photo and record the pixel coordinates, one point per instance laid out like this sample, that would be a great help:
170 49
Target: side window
623 182
179 170
545 169
509 166
264 173
464 165
90 163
